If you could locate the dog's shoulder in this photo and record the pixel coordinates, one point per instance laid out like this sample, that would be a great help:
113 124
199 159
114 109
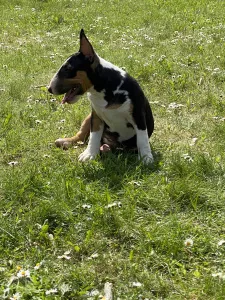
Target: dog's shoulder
107 76
116 84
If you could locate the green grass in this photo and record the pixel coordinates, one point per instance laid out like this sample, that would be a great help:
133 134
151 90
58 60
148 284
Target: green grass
121 221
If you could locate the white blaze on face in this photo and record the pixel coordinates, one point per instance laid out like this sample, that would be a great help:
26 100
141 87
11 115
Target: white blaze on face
53 84
55 79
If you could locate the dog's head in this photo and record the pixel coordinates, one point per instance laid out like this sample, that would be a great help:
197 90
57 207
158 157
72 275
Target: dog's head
72 78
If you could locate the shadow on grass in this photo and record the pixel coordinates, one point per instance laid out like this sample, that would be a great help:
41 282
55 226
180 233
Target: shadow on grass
113 168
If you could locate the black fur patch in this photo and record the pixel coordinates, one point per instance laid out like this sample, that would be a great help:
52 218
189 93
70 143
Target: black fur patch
74 63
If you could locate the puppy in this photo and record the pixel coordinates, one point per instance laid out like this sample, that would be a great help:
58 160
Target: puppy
121 114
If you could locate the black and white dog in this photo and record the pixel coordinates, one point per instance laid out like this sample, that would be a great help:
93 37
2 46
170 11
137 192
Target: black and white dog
121 115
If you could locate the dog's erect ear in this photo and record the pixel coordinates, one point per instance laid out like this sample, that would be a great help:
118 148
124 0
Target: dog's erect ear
85 47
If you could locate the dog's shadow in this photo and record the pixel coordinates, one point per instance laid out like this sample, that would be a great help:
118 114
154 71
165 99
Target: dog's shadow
115 168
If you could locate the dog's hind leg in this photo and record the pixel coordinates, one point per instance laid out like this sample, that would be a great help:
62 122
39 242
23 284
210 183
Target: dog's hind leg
81 136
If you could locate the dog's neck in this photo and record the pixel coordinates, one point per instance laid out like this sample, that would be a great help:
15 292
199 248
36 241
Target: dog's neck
102 74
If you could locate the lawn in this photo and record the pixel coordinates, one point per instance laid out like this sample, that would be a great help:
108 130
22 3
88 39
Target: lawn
67 228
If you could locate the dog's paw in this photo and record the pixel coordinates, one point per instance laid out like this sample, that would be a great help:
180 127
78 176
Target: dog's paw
147 159
87 155
65 144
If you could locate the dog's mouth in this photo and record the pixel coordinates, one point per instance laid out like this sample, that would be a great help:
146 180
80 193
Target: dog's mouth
72 95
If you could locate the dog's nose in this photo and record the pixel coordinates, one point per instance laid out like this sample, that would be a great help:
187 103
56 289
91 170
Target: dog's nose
50 89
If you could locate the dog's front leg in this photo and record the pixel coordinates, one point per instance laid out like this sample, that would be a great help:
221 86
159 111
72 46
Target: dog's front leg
138 120
93 148
144 149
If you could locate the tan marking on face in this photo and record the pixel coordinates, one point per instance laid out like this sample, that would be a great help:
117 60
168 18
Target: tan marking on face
96 122
82 79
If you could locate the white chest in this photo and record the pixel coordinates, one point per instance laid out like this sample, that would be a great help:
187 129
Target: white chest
117 117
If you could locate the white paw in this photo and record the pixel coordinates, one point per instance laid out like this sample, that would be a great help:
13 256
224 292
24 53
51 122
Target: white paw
147 158
88 155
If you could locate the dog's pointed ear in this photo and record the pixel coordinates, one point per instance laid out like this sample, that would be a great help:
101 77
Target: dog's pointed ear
85 47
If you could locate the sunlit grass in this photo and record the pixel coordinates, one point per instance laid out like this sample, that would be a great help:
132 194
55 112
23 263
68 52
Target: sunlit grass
67 228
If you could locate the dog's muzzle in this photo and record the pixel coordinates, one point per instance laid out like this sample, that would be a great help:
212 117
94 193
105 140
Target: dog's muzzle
73 88
73 94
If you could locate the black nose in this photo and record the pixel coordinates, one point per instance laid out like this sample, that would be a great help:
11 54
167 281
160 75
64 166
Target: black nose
50 90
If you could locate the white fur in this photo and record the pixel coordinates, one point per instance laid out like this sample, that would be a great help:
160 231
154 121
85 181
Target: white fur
53 84
55 80
119 91
143 145
93 147
115 118
109 65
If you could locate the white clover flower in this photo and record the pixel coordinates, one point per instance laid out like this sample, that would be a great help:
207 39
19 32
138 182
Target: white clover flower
38 122
188 243
193 141
16 296
50 236
175 105
86 206
220 275
13 163
93 256
114 204
37 266
221 242
65 255
138 183
110 205
23 274
162 58
187 157
93 293
136 284
51 291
